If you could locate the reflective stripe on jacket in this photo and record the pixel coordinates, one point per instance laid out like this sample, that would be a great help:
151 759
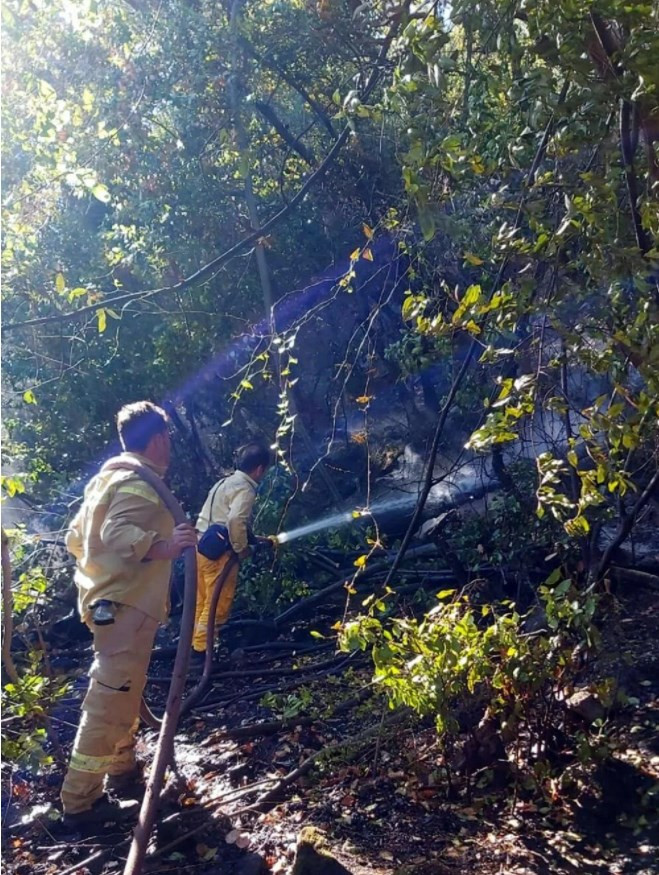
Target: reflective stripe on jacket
120 518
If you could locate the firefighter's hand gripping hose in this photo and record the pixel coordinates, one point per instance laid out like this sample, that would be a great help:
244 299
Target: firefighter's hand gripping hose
165 747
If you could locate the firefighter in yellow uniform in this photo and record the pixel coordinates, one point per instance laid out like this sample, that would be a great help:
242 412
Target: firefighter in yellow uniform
229 503
123 539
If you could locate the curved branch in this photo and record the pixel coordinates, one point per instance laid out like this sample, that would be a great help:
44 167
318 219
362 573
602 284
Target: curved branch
282 129
628 143
215 264
624 530
430 468
292 83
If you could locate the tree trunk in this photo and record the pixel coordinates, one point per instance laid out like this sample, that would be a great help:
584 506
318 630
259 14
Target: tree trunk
261 259
7 612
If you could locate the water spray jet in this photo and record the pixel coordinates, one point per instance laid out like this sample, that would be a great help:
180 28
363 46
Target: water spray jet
444 495
327 522
339 519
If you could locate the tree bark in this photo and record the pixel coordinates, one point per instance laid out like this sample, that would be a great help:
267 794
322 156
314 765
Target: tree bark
7 612
261 259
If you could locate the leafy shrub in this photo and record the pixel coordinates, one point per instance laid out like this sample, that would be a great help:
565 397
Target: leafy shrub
458 650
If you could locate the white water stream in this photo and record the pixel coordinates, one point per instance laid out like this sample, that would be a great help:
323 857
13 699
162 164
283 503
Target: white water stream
446 491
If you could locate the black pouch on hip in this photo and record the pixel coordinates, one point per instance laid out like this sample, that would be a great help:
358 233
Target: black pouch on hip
215 542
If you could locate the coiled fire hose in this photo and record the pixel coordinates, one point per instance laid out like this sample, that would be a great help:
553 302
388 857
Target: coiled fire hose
165 746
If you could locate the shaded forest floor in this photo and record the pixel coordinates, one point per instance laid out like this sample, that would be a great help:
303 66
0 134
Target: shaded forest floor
380 792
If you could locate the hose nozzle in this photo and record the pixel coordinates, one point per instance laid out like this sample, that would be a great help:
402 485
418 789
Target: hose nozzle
267 542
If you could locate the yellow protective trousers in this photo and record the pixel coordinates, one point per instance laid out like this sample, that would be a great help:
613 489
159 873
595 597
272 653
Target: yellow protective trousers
105 740
208 570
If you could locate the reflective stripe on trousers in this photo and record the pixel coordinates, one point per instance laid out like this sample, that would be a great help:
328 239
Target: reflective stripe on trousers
82 763
105 739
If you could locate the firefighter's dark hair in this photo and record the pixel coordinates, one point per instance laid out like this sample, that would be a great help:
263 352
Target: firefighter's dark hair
252 455
139 422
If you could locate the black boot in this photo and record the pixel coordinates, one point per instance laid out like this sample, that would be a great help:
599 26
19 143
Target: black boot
197 660
130 782
104 810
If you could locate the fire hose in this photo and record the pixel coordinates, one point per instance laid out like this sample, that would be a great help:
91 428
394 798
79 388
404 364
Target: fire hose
165 747
175 705
197 693
146 714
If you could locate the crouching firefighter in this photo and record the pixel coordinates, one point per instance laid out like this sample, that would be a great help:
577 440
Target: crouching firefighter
225 533
124 541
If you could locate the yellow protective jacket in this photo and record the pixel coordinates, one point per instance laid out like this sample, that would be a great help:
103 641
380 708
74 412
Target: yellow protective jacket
120 518
230 503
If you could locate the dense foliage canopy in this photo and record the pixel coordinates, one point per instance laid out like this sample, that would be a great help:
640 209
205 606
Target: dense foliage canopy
293 218
508 150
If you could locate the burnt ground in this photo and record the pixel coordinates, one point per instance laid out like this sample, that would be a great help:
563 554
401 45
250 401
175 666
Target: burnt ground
383 799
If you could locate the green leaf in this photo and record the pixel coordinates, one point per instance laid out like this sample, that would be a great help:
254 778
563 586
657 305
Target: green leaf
471 296
87 99
101 316
101 193
412 306
562 587
246 384
60 283
12 486
577 527
445 593
554 577
28 397
46 90
427 223
315 634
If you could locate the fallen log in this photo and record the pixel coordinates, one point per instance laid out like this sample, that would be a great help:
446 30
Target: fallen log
338 585
161 653
261 729
218 674
249 623
635 576
299 649
305 677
